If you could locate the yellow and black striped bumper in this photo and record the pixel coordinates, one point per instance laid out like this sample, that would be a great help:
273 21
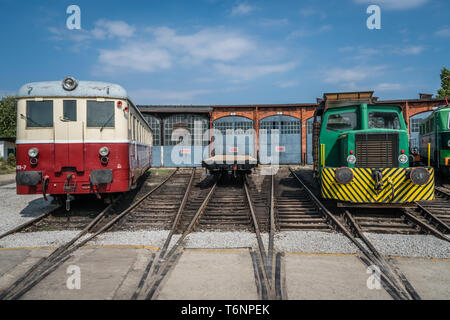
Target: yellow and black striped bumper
396 187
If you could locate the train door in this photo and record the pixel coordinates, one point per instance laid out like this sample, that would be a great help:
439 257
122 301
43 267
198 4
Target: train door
289 145
237 136
414 125
69 136
309 140
155 125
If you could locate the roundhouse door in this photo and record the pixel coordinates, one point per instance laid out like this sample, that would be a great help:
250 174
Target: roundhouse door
288 145
69 137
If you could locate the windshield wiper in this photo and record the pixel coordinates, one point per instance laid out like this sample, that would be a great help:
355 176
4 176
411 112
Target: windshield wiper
28 118
104 125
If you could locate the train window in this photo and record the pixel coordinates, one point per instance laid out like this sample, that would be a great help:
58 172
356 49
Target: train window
414 124
39 113
448 126
384 120
342 121
70 110
100 114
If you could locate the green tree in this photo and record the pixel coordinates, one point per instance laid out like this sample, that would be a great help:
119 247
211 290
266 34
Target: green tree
8 111
444 91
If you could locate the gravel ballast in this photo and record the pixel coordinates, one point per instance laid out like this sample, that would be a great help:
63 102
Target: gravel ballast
18 209
423 246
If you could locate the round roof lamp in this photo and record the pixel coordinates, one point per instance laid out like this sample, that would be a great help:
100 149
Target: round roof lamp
69 83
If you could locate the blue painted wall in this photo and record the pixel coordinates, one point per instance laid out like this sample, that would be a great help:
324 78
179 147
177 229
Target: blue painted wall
290 142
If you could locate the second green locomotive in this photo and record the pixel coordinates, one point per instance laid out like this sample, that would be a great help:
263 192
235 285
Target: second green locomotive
361 153
434 139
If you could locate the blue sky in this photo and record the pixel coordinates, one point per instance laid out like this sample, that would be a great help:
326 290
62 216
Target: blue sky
229 52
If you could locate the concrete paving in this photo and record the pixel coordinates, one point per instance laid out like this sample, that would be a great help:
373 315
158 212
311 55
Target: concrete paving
113 273
211 274
320 277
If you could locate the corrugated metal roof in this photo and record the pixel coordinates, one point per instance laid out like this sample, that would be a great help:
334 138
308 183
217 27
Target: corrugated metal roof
83 89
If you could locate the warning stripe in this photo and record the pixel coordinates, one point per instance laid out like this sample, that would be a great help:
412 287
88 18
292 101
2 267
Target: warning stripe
362 188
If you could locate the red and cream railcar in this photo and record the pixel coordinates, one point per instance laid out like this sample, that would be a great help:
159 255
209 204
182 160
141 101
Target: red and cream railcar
78 138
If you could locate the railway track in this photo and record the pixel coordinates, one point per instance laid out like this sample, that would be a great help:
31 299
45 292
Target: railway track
394 282
294 210
45 266
217 207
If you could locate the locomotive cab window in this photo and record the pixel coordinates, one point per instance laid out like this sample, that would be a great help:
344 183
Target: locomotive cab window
100 114
70 110
384 120
39 114
342 121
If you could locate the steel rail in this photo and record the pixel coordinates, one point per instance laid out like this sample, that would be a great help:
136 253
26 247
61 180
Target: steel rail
270 260
261 251
35 274
164 264
163 250
444 191
394 289
427 214
426 227
391 269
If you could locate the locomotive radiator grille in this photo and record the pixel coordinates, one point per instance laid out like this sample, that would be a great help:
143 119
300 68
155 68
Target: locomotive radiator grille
376 150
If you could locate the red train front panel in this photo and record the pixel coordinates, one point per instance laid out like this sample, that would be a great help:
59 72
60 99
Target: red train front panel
56 161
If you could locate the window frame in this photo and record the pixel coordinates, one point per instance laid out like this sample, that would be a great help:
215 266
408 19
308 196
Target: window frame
385 128
355 127
29 117
101 126
64 105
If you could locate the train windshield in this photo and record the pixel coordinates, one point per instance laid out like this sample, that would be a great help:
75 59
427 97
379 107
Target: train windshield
100 114
342 121
39 114
384 120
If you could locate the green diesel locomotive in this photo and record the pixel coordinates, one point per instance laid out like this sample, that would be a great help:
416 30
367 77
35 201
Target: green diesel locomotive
434 140
361 153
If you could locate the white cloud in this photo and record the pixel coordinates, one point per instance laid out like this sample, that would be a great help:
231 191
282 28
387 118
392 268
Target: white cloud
273 22
443 32
351 75
288 84
240 73
242 9
394 4
410 50
206 44
309 33
110 29
138 57
309 12
388 87
104 29
167 96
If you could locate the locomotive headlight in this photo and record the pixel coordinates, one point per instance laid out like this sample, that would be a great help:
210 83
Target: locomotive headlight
351 159
33 152
403 158
419 176
344 175
104 151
